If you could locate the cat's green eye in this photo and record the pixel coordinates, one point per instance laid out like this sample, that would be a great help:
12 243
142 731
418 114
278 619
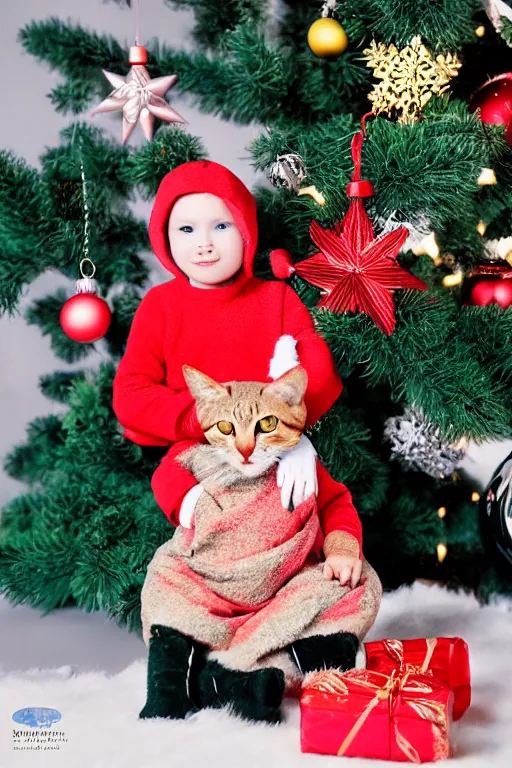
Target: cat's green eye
225 427
268 424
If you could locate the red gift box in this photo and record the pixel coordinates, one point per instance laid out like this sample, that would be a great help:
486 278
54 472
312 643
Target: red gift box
362 713
447 658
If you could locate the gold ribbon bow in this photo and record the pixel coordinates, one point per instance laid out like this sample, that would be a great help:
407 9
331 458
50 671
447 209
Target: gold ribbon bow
395 649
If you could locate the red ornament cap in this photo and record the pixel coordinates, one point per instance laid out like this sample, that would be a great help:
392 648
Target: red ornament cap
363 188
138 55
358 187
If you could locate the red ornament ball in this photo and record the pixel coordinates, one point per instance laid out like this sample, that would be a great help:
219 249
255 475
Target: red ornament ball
494 100
281 264
489 283
85 318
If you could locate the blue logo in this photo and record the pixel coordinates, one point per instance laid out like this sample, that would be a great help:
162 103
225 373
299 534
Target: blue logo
37 717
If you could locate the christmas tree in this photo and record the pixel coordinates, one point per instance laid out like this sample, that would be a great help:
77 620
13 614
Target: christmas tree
423 376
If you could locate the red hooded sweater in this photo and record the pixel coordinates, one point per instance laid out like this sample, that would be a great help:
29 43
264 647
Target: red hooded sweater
229 333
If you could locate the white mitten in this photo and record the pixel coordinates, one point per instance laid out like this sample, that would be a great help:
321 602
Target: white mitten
188 506
296 474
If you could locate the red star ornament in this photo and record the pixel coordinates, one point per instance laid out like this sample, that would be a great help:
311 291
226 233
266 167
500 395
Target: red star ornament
357 271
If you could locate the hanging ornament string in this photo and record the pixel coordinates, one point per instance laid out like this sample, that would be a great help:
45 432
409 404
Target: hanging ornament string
357 187
137 23
86 206
85 317
86 284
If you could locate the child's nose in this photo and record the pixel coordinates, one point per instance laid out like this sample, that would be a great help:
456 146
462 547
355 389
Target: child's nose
204 242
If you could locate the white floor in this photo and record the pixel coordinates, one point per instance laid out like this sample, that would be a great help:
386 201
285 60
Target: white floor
99 726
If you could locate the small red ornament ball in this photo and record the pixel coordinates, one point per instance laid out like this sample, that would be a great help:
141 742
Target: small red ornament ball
281 264
494 100
489 284
85 318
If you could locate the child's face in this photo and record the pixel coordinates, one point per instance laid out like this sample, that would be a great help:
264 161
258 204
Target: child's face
204 239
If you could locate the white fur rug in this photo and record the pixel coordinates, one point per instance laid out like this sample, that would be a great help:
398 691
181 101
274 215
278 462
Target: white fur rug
99 713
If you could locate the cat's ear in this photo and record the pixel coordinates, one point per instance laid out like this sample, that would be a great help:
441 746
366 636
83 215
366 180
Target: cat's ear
290 387
201 386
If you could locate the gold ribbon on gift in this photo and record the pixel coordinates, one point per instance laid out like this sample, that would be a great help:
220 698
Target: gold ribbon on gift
394 685
395 649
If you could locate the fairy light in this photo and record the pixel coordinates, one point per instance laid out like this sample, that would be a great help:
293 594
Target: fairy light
480 31
487 176
428 246
441 512
481 227
450 281
442 551
475 496
315 194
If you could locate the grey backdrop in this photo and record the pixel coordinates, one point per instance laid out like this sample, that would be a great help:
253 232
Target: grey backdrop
29 124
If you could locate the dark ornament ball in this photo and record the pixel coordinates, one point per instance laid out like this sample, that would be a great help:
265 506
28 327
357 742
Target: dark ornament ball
496 517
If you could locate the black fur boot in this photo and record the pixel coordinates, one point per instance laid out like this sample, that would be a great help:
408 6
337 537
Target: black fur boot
171 674
252 695
336 651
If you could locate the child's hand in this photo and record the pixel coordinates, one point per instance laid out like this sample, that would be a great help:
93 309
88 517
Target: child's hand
296 474
344 567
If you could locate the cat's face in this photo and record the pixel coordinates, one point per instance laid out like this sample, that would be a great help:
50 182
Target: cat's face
253 423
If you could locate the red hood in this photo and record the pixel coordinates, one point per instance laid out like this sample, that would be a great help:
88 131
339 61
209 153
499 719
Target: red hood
203 176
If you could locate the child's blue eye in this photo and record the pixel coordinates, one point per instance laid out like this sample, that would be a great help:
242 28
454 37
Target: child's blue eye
186 228
223 225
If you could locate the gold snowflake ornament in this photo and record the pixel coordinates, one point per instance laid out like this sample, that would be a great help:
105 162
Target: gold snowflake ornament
410 77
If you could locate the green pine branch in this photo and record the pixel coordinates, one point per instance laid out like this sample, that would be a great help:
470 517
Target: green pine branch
57 386
78 537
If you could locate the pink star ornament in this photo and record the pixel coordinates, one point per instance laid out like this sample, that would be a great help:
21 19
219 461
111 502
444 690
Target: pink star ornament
138 97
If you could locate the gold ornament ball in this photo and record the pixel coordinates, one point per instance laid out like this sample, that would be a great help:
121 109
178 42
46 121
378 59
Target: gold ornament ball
327 38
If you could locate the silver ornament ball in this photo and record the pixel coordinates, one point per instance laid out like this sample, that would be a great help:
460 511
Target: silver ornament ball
287 172
419 446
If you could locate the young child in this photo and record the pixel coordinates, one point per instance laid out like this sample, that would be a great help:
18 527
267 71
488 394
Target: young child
217 317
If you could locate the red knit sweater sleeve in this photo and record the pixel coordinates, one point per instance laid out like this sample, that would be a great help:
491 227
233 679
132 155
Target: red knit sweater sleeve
336 510
324 383
151 412
171 481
